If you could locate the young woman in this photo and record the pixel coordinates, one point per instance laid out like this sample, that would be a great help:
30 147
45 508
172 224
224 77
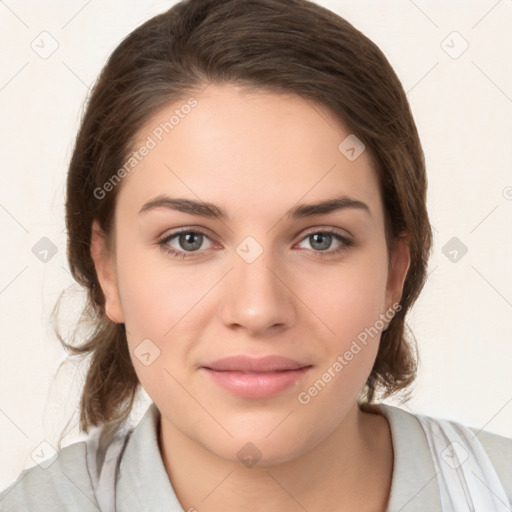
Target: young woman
246 207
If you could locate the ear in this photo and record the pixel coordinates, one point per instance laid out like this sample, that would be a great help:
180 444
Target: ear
400 262
104 262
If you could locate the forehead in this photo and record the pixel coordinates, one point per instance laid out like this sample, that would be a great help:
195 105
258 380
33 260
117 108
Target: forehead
249 151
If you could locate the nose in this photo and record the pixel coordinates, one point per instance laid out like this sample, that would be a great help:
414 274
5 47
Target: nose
257 296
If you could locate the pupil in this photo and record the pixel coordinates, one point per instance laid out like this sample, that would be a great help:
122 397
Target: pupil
189 239
323 237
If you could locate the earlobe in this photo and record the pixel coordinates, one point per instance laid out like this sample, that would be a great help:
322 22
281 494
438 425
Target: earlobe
104 264
400 262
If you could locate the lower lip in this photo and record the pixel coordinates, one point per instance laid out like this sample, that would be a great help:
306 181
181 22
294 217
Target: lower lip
256 385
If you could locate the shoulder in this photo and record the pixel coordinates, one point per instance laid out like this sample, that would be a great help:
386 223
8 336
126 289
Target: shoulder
60 483
499 450
450 436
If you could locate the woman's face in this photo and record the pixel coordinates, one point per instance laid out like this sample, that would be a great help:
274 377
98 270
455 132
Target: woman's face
273 277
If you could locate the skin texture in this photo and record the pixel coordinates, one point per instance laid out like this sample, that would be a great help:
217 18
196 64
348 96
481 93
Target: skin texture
256 155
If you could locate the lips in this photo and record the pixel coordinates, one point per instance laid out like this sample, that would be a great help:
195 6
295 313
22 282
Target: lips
257 365
248 377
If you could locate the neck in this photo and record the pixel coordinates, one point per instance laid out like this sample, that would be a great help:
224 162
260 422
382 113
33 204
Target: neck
333 476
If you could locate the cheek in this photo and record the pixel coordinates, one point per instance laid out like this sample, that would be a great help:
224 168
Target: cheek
349 297
152 303
165 310
155 295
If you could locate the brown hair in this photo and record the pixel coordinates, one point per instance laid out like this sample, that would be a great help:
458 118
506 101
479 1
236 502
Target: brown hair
279 46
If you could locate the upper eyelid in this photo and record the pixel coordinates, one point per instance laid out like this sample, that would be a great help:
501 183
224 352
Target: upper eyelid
331 229
179 231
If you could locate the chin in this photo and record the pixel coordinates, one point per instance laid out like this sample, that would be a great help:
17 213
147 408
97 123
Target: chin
261 443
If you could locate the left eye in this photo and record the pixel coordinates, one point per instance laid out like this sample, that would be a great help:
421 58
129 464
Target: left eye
188 241
321 241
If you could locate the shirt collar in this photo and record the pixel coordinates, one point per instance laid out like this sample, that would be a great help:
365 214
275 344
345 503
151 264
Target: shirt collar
414 486
143 483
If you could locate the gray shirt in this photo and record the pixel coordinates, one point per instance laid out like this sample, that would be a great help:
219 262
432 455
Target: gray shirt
143 483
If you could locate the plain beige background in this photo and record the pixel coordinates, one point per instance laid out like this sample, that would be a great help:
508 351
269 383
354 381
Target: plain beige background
461 99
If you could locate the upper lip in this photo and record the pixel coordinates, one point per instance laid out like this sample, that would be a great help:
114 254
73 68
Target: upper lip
242 363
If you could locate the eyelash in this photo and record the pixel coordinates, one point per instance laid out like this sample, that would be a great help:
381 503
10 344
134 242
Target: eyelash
346 243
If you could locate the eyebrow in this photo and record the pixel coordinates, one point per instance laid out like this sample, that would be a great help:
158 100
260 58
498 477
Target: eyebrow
206 209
